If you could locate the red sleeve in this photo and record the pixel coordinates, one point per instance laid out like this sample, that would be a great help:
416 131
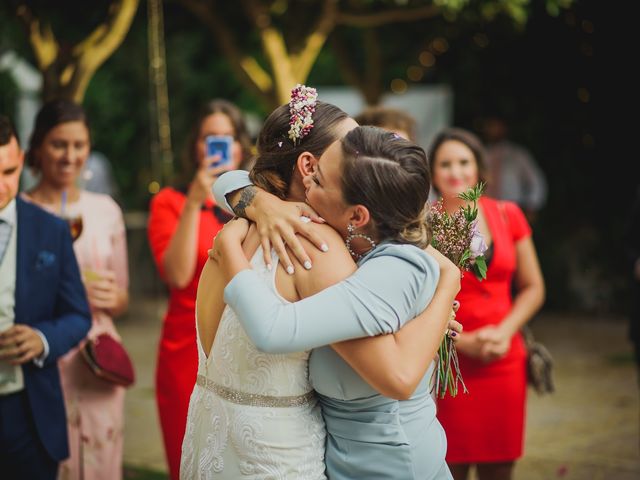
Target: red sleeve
518 223
164 214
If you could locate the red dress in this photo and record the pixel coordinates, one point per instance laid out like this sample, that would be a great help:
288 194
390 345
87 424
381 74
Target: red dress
177 362
487 424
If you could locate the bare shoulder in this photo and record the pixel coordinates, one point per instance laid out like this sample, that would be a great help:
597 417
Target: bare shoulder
328 268
337 248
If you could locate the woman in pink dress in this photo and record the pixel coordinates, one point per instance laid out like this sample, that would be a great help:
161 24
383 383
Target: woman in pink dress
58 150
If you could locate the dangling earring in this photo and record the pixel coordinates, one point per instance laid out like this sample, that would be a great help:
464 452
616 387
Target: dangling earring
351 231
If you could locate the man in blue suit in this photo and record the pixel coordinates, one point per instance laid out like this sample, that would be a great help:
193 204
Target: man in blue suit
43 314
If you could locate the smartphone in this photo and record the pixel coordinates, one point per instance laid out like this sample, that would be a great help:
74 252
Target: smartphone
219 145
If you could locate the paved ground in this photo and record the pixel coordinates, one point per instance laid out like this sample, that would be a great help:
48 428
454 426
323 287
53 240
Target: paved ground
589 429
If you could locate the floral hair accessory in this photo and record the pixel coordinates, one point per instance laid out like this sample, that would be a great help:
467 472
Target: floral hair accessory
301 108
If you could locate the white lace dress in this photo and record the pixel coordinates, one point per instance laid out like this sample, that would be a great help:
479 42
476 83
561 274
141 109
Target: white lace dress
252 415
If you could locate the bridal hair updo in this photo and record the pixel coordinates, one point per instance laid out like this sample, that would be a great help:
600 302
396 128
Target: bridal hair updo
390 176
278 154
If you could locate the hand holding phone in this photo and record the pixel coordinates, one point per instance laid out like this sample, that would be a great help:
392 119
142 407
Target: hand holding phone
219 145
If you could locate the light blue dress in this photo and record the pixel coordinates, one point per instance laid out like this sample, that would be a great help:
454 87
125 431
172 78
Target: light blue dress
369 436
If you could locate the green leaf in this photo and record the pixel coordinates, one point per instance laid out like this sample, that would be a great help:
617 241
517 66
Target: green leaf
465 256
480 268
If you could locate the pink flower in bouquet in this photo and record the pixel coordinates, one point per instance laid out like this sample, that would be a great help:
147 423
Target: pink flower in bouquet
477 246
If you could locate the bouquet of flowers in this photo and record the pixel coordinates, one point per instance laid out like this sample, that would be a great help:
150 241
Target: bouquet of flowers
458 238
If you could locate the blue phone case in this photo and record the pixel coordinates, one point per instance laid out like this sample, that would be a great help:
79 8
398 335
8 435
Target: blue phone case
219 145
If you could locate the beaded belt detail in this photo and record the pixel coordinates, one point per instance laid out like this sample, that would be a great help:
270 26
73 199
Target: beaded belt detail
254 399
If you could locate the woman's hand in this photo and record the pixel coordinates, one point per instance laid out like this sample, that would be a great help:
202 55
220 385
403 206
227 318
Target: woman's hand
232 234
227 248
470 345
278 222
495 342
103 292
447 268
449 278
454 328
205 177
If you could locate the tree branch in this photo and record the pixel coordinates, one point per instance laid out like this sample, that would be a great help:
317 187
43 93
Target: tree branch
93 51
104 40
304 60
249 72
400 15
44 44
274 47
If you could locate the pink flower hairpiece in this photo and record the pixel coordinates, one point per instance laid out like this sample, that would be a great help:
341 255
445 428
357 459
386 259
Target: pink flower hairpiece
301 108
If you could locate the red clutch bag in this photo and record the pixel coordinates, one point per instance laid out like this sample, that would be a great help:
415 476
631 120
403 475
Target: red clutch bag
108 360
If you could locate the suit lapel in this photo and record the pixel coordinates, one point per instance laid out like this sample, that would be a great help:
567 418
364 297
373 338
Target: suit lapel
25 251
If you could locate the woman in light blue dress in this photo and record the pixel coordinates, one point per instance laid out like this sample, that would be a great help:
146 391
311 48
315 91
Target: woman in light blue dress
371 187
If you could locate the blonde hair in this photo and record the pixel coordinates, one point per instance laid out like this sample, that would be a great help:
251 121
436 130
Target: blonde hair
418 232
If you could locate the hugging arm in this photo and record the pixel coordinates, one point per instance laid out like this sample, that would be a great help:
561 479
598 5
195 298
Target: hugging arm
228 188
407 353
378 298
278 222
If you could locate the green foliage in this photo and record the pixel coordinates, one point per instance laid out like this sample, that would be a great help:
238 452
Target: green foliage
472 195
446 375
479 267
8 95
554 7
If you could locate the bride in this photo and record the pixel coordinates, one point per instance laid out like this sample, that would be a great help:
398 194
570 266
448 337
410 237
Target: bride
254 415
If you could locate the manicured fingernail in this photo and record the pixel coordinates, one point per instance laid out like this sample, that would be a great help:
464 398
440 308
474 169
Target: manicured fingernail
269 267
322 220
324 247
307 265
290 270
454 334
456 303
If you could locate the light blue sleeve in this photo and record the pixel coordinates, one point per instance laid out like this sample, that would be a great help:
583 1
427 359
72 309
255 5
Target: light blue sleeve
227 183
383 294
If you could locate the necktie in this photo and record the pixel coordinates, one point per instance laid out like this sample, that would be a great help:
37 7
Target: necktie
5 235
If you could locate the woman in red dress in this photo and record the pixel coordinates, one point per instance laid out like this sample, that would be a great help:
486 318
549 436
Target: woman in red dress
486 426
182 224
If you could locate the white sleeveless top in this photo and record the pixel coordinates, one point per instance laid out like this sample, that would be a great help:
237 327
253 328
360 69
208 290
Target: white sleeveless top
252 415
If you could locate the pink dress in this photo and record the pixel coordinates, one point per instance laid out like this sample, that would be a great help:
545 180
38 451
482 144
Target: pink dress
95 408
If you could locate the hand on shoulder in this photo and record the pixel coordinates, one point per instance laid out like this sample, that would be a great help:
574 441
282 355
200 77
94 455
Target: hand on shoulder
328 267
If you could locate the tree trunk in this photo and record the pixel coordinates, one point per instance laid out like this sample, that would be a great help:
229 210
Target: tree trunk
67 73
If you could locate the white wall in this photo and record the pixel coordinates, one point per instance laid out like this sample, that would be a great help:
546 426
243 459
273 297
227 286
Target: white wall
431 106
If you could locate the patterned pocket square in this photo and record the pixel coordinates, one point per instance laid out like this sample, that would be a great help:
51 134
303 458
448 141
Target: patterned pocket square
45 259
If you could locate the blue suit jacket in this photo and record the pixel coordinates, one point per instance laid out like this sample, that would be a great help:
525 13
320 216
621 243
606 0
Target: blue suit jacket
50 297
